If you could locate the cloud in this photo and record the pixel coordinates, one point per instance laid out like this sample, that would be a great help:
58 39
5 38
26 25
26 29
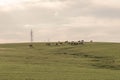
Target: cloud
46 4
106 3
60 20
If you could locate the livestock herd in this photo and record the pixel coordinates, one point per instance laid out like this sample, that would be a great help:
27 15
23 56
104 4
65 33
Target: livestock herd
80 42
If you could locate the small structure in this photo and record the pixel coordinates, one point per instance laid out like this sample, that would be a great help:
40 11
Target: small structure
31 46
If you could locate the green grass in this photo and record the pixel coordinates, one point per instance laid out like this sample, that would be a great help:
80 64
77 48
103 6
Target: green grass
91 61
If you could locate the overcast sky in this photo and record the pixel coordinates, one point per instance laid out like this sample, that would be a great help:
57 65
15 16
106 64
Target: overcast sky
59 20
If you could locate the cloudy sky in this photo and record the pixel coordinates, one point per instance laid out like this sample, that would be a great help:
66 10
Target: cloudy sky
59 20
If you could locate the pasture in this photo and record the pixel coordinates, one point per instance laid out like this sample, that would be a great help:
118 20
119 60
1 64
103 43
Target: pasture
91 61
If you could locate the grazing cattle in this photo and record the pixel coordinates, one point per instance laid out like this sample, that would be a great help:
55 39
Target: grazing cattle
60 43
66 41
77 43
81 42
74 43
56 44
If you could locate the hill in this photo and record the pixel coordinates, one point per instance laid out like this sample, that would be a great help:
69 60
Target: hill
91 61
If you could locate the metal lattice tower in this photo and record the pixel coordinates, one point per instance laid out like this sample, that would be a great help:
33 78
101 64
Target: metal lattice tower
31 35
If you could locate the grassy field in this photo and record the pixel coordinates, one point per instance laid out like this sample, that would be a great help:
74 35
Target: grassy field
91 61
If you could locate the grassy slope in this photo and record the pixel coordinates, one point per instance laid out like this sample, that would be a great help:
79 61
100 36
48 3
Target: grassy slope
92 61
